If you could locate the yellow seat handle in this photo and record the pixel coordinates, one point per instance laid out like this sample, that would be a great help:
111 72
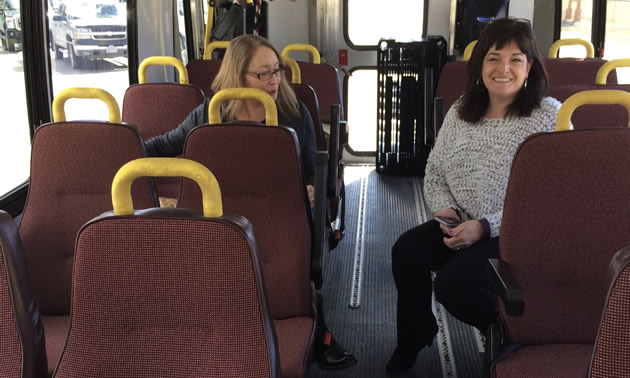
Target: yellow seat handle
162 61
296 73
271 112
555 47
593 97
210 47
166 167
302 47
604 70
469 49
59 115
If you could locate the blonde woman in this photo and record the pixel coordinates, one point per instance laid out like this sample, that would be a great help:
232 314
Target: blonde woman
251 61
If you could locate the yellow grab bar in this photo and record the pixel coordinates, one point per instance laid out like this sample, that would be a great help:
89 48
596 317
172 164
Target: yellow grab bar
59 115
593 97
209 24
604 70
555 47
162 61
469 49
296 74
271 112
167 167
210 47
302 47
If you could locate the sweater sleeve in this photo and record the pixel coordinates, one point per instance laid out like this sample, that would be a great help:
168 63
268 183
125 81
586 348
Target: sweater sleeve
171 143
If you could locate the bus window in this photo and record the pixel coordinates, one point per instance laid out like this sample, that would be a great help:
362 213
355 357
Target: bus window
617 38
370 20
15 141
88 39
577 21
365 23
362 85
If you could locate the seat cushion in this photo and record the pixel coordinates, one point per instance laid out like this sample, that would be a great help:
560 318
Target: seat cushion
56 332
551 360
294 335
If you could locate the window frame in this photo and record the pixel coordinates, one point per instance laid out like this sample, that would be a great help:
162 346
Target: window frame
346 34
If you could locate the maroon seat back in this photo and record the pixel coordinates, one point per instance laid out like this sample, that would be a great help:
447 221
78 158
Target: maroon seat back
324 79
168 292
72 168
202 73
452 83
562 223
563 71
260 173
589 116
611 356
259 170
557 236
22 346
307 95
157 108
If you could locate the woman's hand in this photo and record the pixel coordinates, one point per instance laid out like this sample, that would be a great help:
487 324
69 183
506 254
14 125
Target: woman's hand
311 194
464 235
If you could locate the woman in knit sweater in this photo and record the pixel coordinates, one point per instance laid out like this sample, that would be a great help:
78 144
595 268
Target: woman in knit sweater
464 186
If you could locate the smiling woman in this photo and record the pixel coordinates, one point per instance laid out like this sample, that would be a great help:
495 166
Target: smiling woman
465 181
504 74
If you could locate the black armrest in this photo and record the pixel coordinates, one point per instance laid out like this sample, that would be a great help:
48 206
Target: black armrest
506 287
343 132
320 248
333 152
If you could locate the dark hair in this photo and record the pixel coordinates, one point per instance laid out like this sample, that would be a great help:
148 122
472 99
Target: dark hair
500 33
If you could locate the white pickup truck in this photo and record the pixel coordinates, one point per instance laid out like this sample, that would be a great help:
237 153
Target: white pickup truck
89 30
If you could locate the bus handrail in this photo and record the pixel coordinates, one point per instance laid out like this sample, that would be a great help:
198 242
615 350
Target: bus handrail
59 115
166 167
592 97
162 61
210 47
469 49
604 70
302 47
555 47
296 73
271 112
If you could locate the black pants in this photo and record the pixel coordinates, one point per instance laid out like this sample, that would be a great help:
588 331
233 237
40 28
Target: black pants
460 285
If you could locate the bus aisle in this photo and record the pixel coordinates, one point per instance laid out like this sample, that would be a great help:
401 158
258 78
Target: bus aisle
379 209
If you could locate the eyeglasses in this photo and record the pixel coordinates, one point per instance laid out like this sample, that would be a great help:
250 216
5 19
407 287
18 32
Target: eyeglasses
266 76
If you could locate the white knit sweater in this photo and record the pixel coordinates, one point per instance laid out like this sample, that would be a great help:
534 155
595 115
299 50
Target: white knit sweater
470 164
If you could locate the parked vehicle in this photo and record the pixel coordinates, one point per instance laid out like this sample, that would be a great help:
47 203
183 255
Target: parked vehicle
88 31
10 24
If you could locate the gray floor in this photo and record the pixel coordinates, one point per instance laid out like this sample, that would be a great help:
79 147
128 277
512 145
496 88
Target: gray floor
379 209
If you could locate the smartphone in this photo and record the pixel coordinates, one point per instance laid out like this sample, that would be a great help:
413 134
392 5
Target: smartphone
448 222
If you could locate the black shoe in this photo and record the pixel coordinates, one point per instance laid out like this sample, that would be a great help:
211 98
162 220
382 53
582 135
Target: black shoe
404 358
329 355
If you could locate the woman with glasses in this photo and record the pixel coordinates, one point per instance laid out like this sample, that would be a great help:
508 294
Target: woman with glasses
251 61
464 185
